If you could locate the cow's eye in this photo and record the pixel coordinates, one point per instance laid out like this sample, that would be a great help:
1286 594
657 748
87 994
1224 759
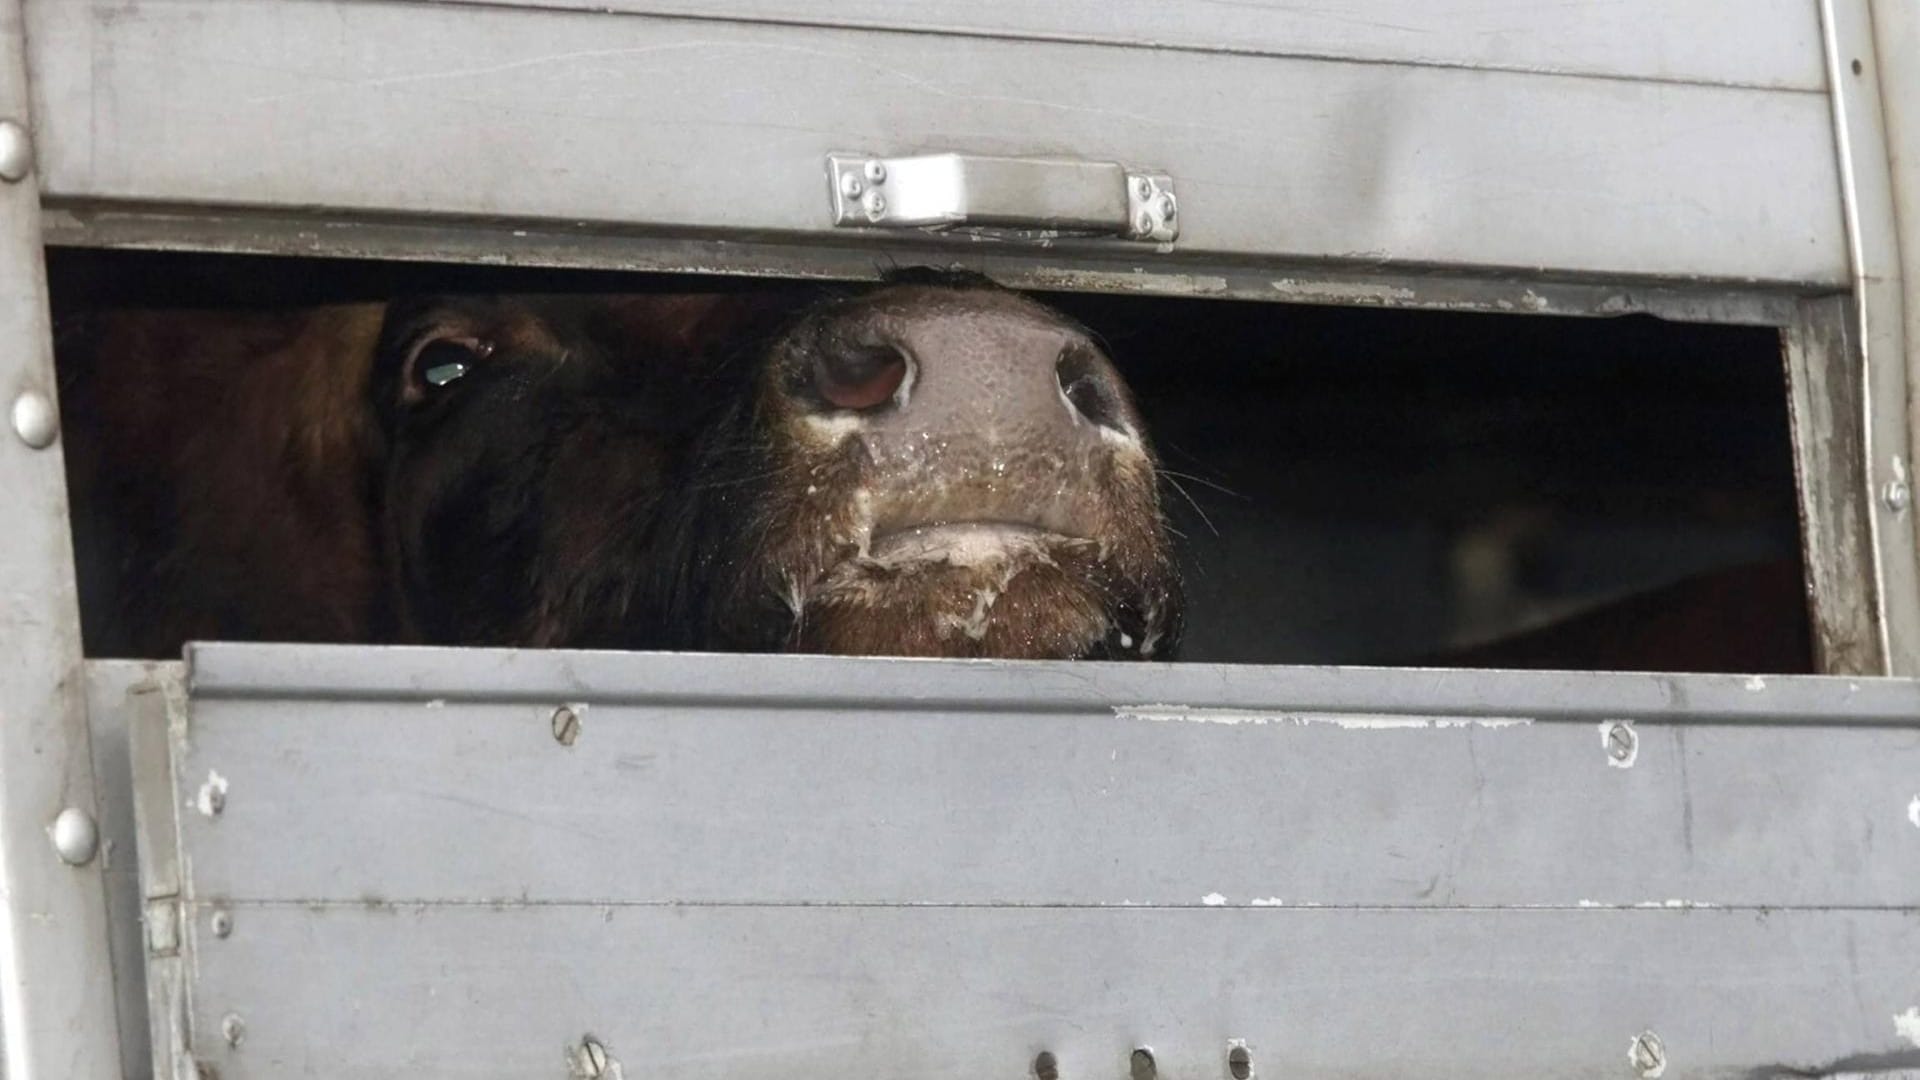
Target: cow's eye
440 362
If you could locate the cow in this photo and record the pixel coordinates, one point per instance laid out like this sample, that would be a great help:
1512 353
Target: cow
933 466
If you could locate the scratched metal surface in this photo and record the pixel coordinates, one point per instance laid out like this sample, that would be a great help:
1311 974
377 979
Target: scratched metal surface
776 866
680 126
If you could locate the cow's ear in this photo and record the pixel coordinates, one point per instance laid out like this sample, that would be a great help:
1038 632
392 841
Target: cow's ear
427 347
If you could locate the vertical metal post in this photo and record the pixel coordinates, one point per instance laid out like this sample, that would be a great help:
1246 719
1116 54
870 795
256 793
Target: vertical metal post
1873 247
57 1017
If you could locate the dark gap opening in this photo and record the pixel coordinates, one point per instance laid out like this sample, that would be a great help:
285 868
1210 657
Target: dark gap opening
1354 485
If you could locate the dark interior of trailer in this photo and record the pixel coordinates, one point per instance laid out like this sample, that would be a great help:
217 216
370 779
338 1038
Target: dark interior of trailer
1353 485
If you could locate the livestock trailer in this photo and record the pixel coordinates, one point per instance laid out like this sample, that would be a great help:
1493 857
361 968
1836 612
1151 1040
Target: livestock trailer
278 860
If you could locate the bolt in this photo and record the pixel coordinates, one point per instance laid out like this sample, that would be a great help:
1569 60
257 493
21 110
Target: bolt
233 1029
16 152
1897 495
34 420
75 837
222 922
590 1060
1143 187
1649 1057
566 725
876 172
850 185
1621 742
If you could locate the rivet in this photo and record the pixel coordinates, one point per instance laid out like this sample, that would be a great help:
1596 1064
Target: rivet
566 725
850 185
1239 1061
1649 1057
75 837
1167 207
1143 187
16 152
1046 1066
876 172
222 923
876 205
1621 742
1897 495
233 1029
34 420
1146 223
1141 1066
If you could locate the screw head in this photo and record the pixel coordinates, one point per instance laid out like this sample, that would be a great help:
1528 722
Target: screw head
876 205
850 185
1648 1055
75 836
1167 206
876 172
1143 188
222 923
34 419
1146 223
1621 742
233 1029
16 152
566 725
590 1059
1897 495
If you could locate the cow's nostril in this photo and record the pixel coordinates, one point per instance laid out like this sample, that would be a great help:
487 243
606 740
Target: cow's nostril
1087 386
860 376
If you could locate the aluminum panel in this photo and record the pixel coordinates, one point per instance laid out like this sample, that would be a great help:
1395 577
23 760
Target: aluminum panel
577 117
718 779
759 993
397 862
1772 43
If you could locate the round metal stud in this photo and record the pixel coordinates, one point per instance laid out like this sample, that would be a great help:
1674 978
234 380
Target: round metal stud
1146 223
876 205
222 923
233 1029
1143 188
1897 495
75 837
34 419
851 185
1167 206
16 152
876 172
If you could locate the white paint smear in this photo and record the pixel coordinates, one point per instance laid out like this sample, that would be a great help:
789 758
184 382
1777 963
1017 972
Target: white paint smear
1213 899
1913 811
1177 714
212 795
1755 683
1907 1025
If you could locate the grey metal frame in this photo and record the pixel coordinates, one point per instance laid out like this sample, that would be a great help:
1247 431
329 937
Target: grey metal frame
57 1014
1775 185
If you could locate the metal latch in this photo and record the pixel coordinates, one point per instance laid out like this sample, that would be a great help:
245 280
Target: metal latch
1060 196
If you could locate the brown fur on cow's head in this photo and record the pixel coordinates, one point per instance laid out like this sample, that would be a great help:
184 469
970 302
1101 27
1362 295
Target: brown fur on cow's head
931 467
